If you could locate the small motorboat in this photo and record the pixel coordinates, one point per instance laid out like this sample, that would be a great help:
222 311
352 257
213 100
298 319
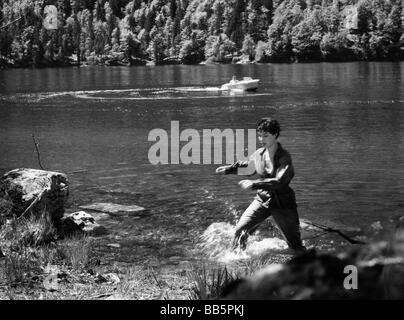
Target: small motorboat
247 84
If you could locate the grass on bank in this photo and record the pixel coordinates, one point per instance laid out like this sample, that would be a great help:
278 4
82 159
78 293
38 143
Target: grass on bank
211 284
33 254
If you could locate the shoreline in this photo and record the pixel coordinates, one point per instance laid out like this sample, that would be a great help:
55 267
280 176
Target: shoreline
117 280
208 63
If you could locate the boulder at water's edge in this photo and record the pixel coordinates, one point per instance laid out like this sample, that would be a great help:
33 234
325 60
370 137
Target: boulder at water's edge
81 221
24 186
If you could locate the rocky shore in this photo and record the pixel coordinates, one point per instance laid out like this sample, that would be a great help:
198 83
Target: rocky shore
49 253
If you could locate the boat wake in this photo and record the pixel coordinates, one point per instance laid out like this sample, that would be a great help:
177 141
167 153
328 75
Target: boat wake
173 93
138 94
176 93
216 244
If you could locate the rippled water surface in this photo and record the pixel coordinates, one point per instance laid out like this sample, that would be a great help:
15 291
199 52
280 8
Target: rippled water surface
342 123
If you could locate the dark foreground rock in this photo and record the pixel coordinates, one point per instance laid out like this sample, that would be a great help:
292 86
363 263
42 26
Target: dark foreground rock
42 190
374 271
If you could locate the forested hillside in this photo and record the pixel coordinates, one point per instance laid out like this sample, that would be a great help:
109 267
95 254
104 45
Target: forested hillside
192 31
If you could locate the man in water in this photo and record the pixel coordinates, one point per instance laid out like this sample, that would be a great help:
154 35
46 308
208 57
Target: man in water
274 196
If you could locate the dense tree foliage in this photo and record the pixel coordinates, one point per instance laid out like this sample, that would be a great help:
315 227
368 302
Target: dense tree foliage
191 31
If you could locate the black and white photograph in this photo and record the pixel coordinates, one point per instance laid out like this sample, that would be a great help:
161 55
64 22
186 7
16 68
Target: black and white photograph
201 150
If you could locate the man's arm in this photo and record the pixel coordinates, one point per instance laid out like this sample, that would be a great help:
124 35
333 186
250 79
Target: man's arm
233 168
241 167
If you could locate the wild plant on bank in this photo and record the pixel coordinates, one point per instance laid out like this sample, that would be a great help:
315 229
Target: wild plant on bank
19 241
76 251
18 266
131 282
211 285
32 231
29 246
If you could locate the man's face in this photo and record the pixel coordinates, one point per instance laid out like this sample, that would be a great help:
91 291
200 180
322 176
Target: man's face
266 139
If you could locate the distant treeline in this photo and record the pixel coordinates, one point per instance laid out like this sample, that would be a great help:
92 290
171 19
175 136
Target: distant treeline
193 31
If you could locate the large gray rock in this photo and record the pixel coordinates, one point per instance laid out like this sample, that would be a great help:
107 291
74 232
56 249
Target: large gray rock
44 190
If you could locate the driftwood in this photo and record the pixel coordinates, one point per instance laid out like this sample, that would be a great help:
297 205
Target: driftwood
339 232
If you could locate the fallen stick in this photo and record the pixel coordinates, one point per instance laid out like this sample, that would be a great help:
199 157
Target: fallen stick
339 232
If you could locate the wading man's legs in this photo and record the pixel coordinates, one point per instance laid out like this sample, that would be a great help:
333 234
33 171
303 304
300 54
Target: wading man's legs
250 219
287 221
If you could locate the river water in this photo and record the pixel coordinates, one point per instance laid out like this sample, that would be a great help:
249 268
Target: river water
343 124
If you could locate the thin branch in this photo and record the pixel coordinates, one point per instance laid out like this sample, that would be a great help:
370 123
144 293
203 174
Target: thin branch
10 23
329 229
37 151
37 199
155 278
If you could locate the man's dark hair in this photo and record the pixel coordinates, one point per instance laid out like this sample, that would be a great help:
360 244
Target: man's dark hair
269 125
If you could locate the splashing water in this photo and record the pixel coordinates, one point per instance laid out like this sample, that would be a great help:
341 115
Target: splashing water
216 244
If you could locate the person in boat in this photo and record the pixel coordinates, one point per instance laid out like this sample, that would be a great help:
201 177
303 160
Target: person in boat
274 196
